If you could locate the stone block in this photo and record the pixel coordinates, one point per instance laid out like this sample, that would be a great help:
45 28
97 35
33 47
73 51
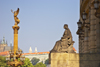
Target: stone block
64 59
73 56
59 56
75 60
92 17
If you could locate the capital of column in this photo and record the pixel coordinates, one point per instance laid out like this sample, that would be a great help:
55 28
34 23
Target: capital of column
15 27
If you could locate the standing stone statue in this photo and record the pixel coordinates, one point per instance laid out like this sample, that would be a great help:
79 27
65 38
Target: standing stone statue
65 44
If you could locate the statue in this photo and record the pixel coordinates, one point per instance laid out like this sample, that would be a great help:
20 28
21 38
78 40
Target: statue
65 44
15 16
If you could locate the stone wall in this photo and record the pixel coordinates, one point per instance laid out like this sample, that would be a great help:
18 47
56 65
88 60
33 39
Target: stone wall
75 60
89 60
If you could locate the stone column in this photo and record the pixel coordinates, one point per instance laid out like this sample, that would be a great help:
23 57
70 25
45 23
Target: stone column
86 40
89 18
92 31
89 42
80 44
82 40
98 35
15 28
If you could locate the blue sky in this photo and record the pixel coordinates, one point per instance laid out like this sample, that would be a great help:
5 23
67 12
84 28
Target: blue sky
41 22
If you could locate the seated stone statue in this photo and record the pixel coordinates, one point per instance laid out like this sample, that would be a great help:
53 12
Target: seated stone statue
65 44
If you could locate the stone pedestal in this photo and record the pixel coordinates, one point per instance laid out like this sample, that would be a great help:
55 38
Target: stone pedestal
75 60
64 60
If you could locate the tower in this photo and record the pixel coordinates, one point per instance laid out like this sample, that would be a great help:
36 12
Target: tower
3 41
3 44
30 50
35 50
11 45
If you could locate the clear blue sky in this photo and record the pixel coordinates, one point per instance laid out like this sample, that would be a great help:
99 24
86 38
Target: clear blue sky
41 22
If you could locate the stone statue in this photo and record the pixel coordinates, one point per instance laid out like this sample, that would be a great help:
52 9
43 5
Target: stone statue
65 44
15 16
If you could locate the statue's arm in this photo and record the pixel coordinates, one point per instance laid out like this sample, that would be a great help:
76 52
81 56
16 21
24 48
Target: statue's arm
65 35
12 11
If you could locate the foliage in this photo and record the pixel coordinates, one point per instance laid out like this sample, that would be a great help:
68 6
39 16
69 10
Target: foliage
47 61
40 65
27 63
3 62
35 60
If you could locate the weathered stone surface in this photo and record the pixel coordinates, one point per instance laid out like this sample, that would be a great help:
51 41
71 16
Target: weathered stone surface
64 60
89 60
75 60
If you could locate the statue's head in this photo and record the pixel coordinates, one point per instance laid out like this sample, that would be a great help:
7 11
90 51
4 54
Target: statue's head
65 26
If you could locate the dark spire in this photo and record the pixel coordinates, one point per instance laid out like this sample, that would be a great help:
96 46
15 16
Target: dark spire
11 45
3 41
6 42
3 38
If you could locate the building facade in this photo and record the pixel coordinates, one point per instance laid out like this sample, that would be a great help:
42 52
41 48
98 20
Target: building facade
39 55
89 26
42 56
3 44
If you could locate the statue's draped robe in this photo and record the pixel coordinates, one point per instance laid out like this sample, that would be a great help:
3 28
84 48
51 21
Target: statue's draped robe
63 44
